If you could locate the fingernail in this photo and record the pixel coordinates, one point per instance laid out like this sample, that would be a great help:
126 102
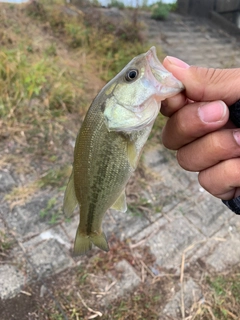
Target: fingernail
236 135
177 62
212 112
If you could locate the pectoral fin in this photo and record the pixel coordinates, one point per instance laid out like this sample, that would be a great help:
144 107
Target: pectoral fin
120 204
70 200
132 154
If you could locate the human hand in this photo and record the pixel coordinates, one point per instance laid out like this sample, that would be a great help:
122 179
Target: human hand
198 126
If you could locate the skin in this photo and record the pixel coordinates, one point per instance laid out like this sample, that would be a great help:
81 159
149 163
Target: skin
199 129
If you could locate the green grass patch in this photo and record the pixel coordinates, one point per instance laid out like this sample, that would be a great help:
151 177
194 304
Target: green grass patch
5 243
116 4
160 10
32 88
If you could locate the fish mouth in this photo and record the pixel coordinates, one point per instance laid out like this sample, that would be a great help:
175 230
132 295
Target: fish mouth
163 80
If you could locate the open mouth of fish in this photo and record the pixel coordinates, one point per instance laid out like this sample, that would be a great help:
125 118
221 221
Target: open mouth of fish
165 83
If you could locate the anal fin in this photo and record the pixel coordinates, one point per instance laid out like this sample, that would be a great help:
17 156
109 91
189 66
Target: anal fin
120 204
70 201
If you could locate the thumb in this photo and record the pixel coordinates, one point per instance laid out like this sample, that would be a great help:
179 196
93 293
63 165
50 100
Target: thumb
206 84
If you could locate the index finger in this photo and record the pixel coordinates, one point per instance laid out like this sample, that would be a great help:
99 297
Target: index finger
206 84
173 104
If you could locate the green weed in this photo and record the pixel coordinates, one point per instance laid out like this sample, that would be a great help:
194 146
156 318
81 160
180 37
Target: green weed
50 212
140 206
160 10
55 218
51 50
50 205
56 316
222 295
116 4
54 178
5 243
26 82
218 285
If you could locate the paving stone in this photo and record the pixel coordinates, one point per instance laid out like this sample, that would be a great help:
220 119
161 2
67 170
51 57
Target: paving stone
206 213
70 227
225 256
227 253
169 240
121 286
224 243
163 163
6 181
123 224
192 294
15 273
168 174
195 37
55 233
150 230
11 281
156 158
26 221
49 256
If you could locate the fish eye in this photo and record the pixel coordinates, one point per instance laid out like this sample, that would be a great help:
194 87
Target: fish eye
131 75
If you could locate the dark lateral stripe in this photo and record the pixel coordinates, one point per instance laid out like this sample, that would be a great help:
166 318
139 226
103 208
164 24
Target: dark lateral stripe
95 192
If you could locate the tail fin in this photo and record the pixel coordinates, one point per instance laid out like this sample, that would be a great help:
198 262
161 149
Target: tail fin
100 241
83 242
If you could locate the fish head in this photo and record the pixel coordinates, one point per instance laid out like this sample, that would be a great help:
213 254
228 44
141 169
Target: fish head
133 97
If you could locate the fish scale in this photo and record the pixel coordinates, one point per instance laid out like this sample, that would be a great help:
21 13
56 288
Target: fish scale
104 168
110 142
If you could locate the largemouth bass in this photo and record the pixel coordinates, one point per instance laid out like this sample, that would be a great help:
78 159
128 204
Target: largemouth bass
110 141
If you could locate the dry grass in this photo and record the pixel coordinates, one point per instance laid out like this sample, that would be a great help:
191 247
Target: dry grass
221 297
52 57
